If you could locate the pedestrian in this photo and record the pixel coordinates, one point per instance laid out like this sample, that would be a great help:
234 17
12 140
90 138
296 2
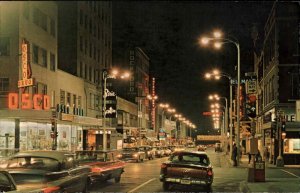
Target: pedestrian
249 157
234 155
266 154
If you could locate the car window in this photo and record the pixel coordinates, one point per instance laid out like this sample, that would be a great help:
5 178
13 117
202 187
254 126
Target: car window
190 158
33 163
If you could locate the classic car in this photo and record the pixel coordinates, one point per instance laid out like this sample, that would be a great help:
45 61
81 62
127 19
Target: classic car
149 151
47 171
132 153
167 151
201 147
105 165
187 168
159 151
7 183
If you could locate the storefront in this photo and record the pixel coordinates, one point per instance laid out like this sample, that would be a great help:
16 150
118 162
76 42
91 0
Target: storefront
291 144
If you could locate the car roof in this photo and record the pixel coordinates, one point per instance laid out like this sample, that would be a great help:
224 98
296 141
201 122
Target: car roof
190 152
57 155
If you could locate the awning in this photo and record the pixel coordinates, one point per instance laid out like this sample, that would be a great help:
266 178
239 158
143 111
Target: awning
152 139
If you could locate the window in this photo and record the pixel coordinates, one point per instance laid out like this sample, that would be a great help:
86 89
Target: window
68 98
52 27
44 57
81 43
52 62
80 70
74 100
91 49
4 46
81 17
90 73
86 46
95 53
26 10
91 26
86 72
4 85
35 54
40 88
90 103
97 102
40 19
62 97
79 101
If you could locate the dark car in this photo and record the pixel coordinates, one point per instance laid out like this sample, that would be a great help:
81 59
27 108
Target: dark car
7 183
47 171
149 151
187 168
104 164
132 153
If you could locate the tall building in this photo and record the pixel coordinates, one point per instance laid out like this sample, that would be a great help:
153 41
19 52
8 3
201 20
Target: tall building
278 73
85 50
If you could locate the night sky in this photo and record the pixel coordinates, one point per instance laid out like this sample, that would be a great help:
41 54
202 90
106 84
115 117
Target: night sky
168 32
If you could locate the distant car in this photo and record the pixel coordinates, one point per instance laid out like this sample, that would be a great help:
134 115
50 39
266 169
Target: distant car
159 151
104 165
179 148
149 151
132 153
7 183
47 171
167 151
201 147
190 168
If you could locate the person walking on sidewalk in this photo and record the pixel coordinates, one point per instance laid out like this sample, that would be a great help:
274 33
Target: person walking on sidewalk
234 154
249 157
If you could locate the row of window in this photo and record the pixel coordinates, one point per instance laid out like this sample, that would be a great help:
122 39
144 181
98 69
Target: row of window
94 102
40 57
90 49
39 18
72 100
98 10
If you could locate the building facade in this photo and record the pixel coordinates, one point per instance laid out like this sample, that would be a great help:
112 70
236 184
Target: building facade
278 74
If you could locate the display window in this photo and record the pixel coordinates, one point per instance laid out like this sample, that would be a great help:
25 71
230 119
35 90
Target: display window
7 134
291 146
35 136
69 137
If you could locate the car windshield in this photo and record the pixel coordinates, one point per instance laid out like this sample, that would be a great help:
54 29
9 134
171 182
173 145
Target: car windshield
91 156
190 158
42 163
130 149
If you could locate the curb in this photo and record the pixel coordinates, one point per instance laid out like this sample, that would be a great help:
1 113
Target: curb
244 187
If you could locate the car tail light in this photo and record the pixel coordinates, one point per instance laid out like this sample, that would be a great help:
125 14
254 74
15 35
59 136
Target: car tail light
163 166
209 172
96 169
51 189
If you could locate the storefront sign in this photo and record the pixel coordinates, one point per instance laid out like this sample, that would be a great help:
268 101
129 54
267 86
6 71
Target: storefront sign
37 102
26 69
250 86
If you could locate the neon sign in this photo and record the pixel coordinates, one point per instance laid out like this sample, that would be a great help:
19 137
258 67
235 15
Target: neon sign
38 101
26 70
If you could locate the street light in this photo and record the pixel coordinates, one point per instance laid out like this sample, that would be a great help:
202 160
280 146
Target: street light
216 74
106 75
219 39
216 97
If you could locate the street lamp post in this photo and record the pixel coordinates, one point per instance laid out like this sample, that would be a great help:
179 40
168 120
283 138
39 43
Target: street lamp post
217 37
105 76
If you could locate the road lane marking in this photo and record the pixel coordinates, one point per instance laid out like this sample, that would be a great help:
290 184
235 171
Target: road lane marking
290 173
143 184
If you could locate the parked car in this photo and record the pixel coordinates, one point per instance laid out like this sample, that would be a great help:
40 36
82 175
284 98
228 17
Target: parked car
104 165
7 183
47 171
159 152
167 151
187 168
132 153
179 148
201 147
149 151
172 147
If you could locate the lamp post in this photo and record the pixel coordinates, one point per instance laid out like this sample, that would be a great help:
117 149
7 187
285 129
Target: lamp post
216 74
219 40
105 76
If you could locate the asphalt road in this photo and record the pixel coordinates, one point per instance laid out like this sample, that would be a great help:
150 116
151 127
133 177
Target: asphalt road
144 177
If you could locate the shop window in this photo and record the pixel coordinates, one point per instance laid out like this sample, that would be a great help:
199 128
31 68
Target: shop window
292 146
4 46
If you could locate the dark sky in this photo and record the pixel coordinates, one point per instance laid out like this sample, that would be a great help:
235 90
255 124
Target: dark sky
168 32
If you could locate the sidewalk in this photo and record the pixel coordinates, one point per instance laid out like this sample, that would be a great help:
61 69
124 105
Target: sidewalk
271 184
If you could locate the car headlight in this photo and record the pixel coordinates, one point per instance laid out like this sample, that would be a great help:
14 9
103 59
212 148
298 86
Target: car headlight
135 155
119 156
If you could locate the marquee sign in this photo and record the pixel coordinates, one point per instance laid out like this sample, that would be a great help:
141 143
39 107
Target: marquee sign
37 101
26 68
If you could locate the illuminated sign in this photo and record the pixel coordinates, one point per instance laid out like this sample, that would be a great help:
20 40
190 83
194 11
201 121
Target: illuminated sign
38 101
26 70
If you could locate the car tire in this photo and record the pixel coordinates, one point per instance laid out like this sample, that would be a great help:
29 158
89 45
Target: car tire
166 186
118 179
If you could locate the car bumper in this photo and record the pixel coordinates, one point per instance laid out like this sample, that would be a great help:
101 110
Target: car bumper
187 181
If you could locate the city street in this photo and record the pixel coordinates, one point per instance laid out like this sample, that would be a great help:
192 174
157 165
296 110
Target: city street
144 177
